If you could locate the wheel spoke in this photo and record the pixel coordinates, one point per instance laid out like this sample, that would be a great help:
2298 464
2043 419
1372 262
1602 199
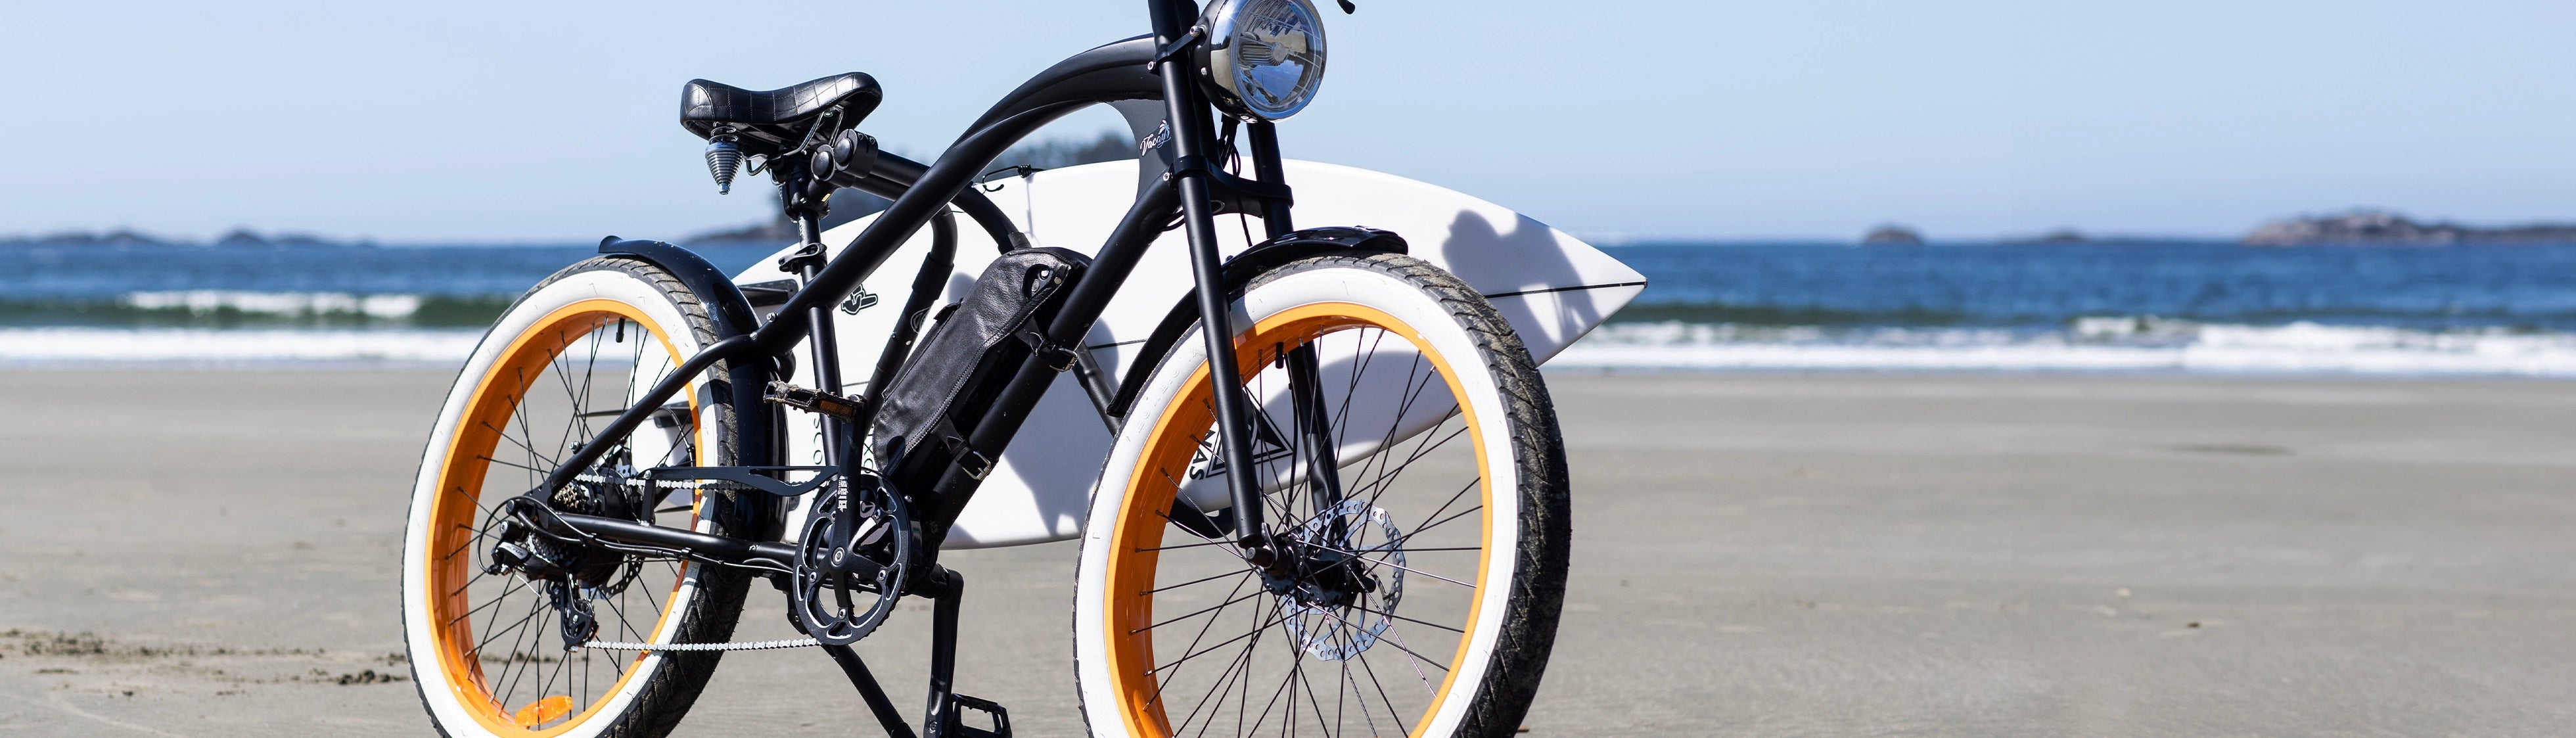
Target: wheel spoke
532 453
1386 477
1264 626
1214 608
533 609
1397 640
1244 573
1313 705
1409 569
1186 545
512 464
1380 685
496 600
1194 643
1382 613
1237 669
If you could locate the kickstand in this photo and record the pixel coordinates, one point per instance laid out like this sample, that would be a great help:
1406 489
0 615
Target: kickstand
945 701
947 587
868 690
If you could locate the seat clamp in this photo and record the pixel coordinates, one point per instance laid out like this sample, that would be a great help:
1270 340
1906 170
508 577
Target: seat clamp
795 262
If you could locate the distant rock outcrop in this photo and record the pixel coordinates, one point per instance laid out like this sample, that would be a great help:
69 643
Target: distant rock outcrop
2383 228
1892 235
239 238
2059 236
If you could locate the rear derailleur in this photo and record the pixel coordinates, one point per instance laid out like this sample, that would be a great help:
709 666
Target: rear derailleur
573 572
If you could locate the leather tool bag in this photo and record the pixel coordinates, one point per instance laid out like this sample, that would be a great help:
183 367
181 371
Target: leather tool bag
932 405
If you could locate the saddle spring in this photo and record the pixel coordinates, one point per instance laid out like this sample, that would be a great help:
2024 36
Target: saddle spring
724 157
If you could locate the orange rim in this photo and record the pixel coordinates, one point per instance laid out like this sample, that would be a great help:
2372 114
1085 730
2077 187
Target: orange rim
452 515
1167 455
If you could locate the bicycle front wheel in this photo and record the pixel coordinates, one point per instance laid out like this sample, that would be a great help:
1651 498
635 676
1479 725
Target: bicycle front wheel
1414 487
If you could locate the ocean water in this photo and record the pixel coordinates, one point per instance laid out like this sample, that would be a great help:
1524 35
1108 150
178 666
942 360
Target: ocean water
2210 307
2188 307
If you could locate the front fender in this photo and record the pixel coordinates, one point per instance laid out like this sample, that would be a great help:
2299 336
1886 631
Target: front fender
1261 257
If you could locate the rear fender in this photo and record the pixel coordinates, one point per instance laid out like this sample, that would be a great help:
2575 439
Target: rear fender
759 517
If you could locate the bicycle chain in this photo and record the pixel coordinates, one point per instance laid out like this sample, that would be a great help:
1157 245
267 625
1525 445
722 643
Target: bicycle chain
734 646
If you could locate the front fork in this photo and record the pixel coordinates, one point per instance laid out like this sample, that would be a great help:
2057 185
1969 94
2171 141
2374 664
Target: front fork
1194 153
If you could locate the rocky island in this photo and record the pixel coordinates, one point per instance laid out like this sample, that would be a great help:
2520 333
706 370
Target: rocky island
1892 235
2383 228
239 238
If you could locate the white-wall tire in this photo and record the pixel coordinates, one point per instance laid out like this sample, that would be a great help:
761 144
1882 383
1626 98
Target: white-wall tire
651 690
1518 562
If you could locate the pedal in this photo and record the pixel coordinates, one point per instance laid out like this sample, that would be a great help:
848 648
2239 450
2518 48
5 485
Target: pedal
957 728
812 400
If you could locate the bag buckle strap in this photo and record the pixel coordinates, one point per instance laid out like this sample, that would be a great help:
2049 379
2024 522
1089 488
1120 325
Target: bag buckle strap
969 460
1049 354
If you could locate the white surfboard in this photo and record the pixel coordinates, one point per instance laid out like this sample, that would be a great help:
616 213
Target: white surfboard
1552 287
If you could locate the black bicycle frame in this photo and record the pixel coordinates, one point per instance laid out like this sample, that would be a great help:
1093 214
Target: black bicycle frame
1137 69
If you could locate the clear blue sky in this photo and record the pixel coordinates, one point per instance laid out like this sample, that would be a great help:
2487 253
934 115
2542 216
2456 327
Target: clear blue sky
516 121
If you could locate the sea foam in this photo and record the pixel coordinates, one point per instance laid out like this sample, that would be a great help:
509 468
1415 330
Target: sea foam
388 307
105 345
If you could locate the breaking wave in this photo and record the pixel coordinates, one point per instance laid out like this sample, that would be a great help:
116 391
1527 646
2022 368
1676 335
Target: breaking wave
382 307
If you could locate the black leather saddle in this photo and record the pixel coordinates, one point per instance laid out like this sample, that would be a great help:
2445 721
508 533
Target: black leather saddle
776 113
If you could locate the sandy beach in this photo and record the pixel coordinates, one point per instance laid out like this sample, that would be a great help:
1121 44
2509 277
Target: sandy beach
213 553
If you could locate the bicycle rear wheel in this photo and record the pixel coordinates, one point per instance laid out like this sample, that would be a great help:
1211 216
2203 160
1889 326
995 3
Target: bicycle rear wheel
1426 571
494 638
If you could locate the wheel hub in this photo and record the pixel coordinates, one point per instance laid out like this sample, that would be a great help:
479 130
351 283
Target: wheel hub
1337 593
1315 574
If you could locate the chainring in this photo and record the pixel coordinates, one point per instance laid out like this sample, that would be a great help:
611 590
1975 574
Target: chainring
845 587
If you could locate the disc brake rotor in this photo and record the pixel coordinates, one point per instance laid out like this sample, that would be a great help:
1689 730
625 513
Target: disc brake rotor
1335 631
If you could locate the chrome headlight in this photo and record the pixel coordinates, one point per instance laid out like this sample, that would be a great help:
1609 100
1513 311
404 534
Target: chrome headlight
1264 57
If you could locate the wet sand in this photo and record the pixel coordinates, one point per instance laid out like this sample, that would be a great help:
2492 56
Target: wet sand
213 553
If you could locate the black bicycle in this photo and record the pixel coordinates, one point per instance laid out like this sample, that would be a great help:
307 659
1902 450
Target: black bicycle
1357 527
